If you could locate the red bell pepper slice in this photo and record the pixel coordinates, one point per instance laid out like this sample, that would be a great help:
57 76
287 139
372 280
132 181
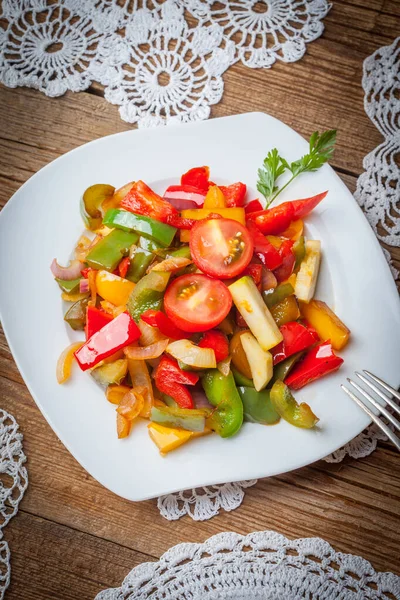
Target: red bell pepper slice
234 194
197 177
171 380
240 322
288 261
253 206
305 206
156 318
255 272
319 361
117 334
95 320
124 266
273 220
296 337
263 249
218 342
185 192
85 272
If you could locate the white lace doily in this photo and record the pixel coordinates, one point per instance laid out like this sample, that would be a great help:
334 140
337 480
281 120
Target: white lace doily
13 483
154 63
264 565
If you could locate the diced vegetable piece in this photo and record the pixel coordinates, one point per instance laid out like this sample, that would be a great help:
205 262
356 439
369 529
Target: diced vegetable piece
275 296
91 204
260 361
113 288
76 315
64 363
131 405
197 177
257 406
172 264
218 342
253 206
306 205
319 361
184 193
237 214
108 252
263 249
308 273
189 419
120 194
95 320
115 393
148 294
141 257
294 231
234 193
193 356
69 287
123 426
214 198
251 306
226 326
299 415
158 319
326 323
171 380
140 378
145 226
221 392
241 379
296 337
111 373
239 358
166 438
285 311
299 251
120 332
74 297
282 370
288 261
273 220
148 352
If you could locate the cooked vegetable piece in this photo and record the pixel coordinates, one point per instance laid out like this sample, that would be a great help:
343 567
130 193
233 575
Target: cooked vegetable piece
288 261
189 419
308 274
108 252
273 221
257 406
76 315
64 363
113 288
239 357
285 311
251 306
275 296
214 198
326 323
131 405
221 392
115 393
240 379
167 438
296 337
120 332
148 352
294 231
95 320
158 319
148 294
74 297
299 251
185 193
253 206
91 204
123 426
263 249
234 194
218 342
260 361
282 370
198 214
171 380
299 415
111 373
140 378
69 287
159 232
141 257
193 356
319 361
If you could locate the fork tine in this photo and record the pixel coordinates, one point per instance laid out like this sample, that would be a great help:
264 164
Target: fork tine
373 387
386 386
372 400
392 437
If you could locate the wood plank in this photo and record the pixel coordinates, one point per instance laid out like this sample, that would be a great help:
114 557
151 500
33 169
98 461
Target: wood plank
52 561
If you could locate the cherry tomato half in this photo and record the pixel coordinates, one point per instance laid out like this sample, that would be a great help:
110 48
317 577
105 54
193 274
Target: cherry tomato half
195 302
221 247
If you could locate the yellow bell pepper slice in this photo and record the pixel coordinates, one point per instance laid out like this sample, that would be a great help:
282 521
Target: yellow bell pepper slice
113 288
326 323
168 438
64 363
214 198
294 231
285 311
237 214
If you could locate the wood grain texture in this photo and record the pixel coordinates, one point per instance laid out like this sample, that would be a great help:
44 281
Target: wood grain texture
72 537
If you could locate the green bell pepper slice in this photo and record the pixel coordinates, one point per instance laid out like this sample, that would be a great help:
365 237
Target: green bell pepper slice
107 253
221 392
282 369
299 415
299 250
274 296
241 379
184 418
150 228
76 315
91 202
148 294
257 406
141 258
69 287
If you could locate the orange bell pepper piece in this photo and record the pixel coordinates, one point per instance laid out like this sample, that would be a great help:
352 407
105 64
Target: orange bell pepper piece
113 288
214 198
326 323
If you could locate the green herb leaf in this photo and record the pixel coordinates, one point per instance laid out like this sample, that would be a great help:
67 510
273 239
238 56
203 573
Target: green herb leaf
273 167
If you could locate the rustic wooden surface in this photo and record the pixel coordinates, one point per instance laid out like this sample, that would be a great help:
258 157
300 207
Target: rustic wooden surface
72 537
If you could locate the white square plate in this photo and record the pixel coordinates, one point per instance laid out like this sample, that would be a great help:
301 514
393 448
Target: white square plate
42 221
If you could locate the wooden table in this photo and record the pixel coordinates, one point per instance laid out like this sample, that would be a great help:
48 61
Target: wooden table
72 537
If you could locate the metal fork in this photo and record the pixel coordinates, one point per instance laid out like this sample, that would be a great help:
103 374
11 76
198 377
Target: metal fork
382 410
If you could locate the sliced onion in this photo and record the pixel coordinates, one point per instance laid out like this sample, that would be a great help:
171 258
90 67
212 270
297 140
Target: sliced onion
146 352
268 280
224 366
84 286
150 335
172 264
199 397
181 203
73 271
64 363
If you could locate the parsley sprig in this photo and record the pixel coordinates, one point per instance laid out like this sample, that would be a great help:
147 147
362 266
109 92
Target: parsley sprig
274 166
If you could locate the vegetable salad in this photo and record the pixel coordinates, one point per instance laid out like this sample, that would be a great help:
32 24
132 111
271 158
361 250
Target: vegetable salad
197 308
